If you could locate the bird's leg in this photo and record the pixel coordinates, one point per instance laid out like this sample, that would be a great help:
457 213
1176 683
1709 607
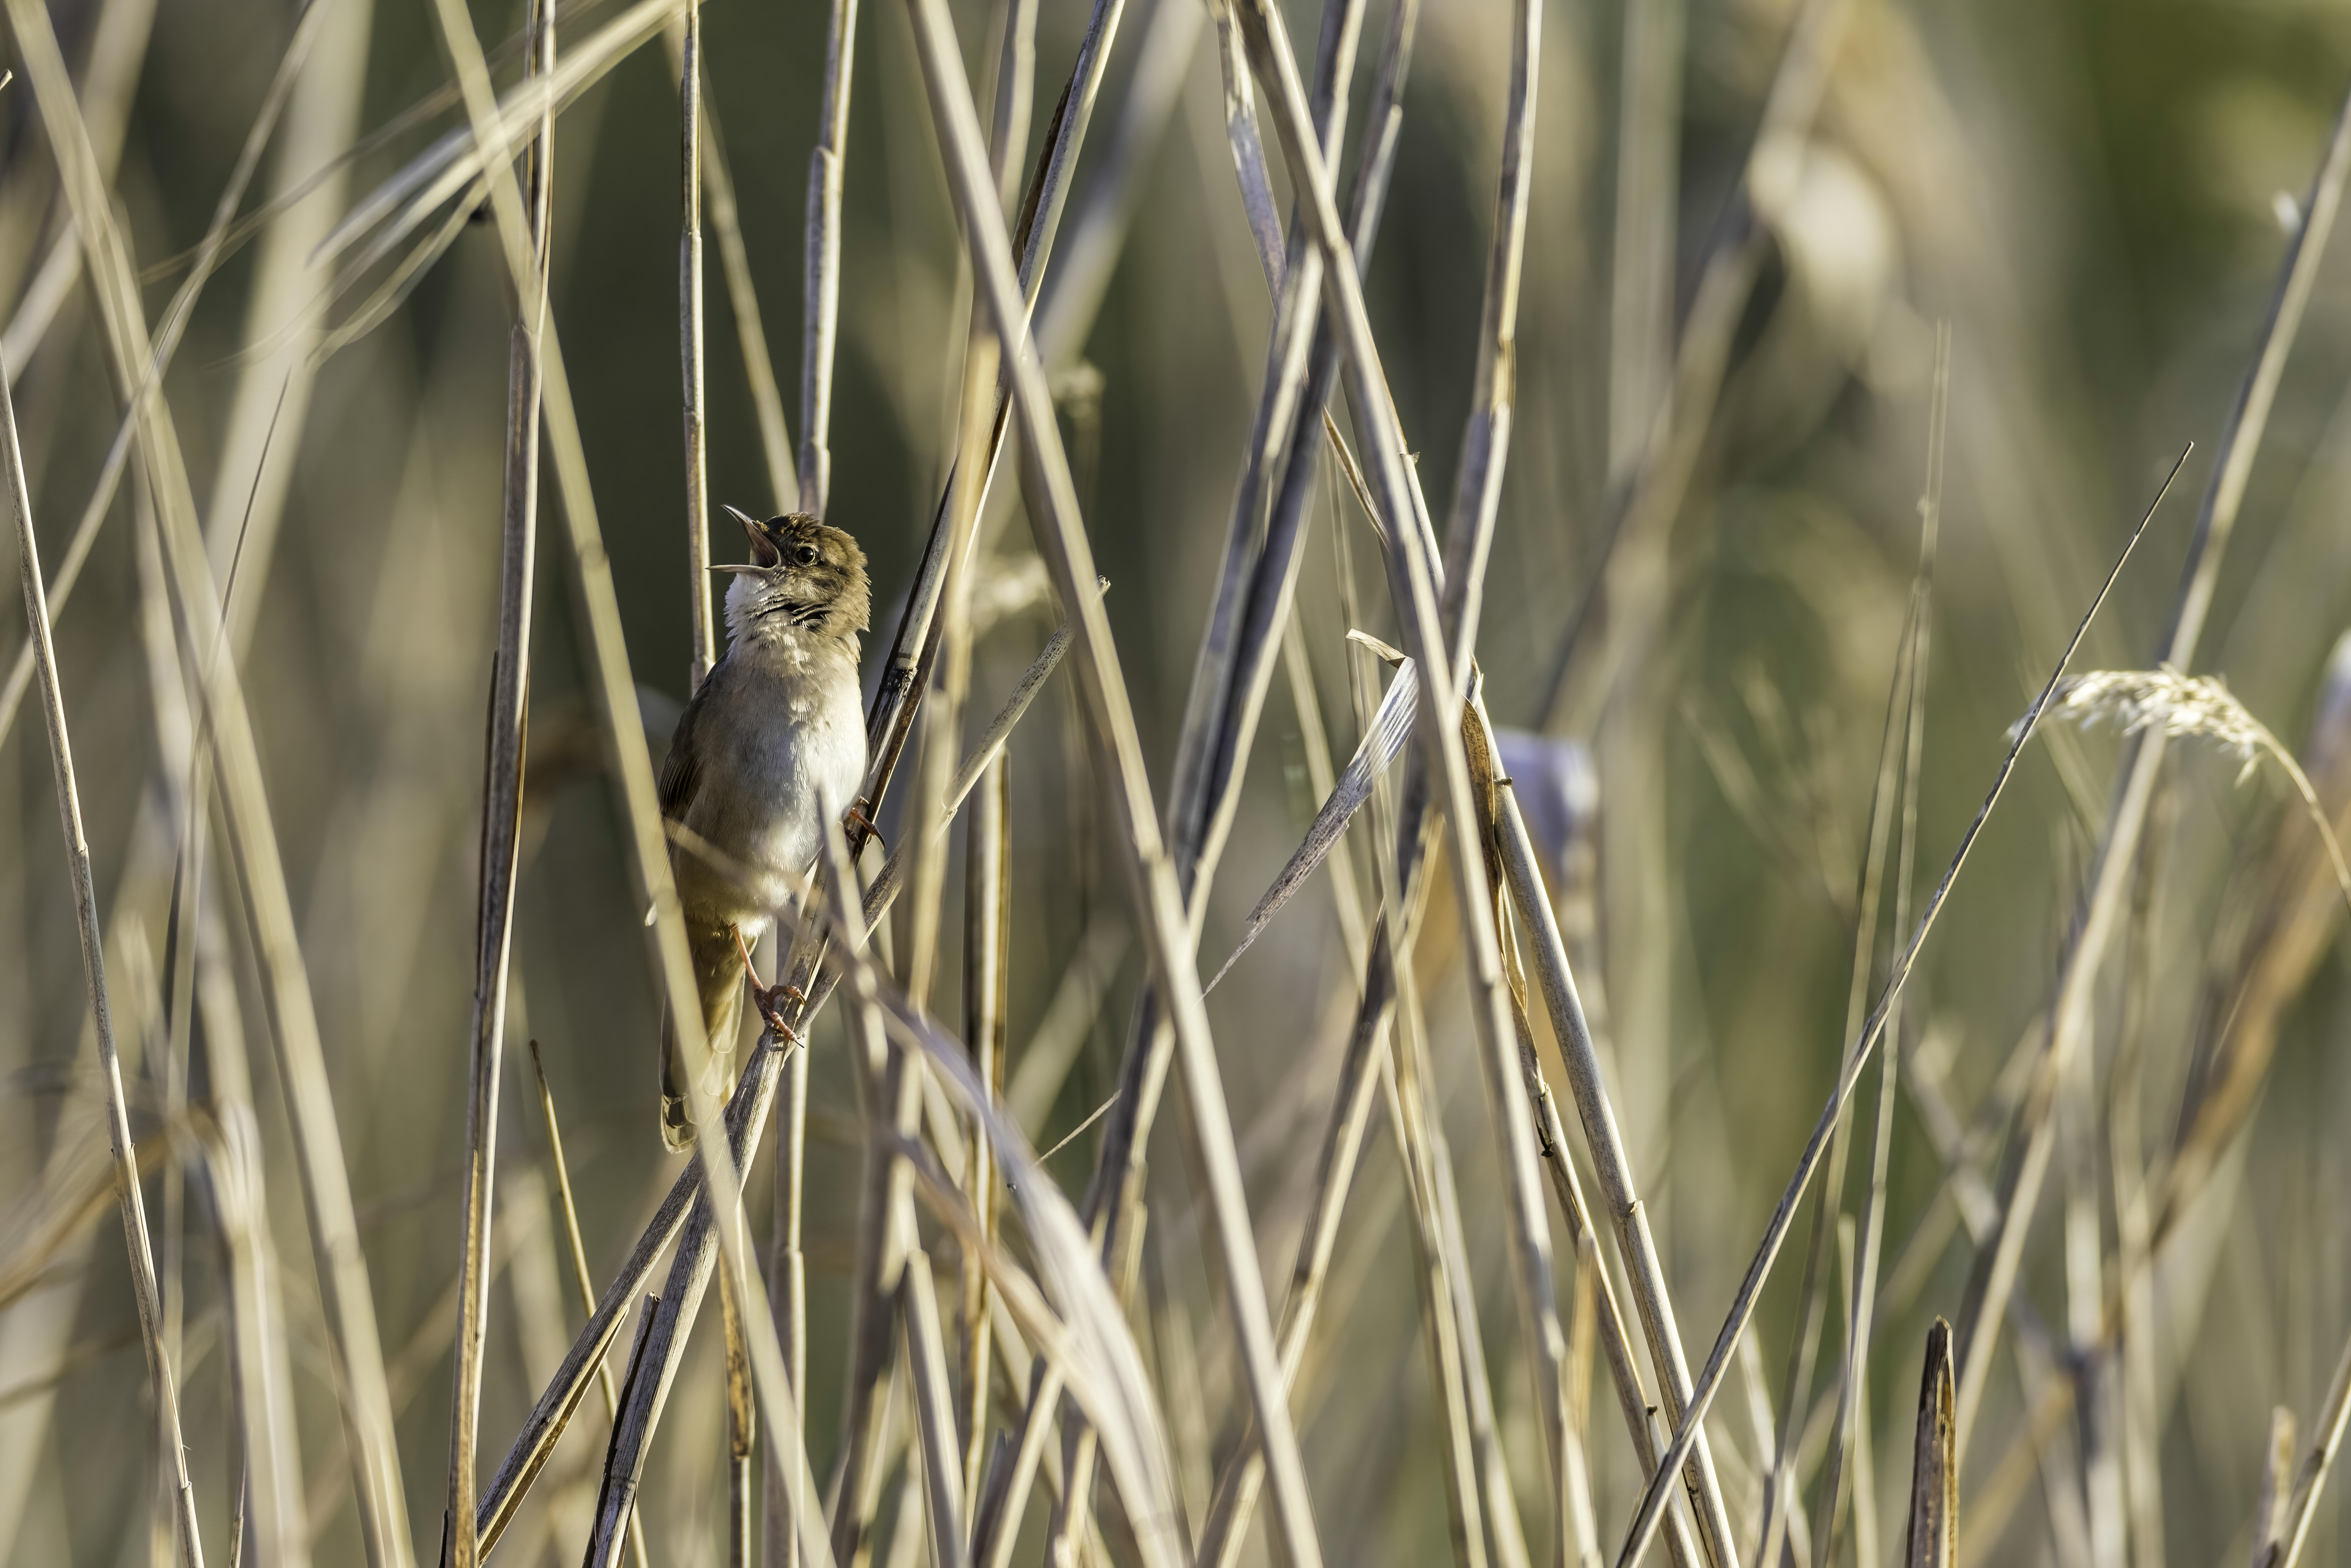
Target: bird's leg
856 817
769 1000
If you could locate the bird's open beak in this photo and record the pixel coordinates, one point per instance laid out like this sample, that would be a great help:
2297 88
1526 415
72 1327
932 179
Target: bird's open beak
740 569
756 532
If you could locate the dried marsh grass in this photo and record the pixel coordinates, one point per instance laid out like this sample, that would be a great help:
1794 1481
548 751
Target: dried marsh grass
1705 387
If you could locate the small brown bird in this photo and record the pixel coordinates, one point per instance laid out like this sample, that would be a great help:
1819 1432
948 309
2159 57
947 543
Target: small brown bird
772 744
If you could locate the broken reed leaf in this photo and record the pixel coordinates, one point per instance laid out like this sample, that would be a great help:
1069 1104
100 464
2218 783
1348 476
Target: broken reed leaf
1380 746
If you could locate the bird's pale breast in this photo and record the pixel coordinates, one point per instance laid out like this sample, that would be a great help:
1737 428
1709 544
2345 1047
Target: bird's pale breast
785 744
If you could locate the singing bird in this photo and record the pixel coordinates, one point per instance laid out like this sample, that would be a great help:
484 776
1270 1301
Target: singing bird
772 744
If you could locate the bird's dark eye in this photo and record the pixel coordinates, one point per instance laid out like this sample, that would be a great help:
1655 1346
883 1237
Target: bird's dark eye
805 555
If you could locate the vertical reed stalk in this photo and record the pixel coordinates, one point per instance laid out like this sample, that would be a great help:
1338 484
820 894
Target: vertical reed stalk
821 299
1062 540
988 922
647 860
1775 1234
1015 88
1994 1274
1853 1392
742 297
1413 568
501 807
196 612
93 958
689 335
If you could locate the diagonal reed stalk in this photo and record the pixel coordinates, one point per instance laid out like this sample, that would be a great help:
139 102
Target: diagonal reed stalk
576 1253
1235 664
501 807
285 88
878 1307
1061 539
196 614
93 958
1994 1275
1852 1394
648 860
1088 1343
745 1117
1775 1234
1414 568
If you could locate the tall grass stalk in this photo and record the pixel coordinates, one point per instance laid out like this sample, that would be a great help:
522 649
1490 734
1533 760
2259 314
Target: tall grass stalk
126 1171
1994 1274
196 614
502 769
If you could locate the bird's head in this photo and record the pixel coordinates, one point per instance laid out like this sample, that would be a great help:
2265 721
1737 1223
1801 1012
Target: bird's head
803 575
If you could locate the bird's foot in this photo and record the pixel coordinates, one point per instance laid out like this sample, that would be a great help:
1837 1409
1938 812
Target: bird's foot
771 1002
856 817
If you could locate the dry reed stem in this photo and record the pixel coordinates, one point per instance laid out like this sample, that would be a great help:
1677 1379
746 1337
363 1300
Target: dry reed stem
1016 90
2326 1441
1414 566
987 921
1477 1480
890 1091
1240 643
1742 1307
252 1305
1573 1032
1109 1379
718 190
93 958
914 649
883 1242
1486 444
1852 1380
1066 314
210 251
454 167
629 1384
196 611
1994 1273
689 336
576 1253
1161 911
1235 664
1489 1467
615 697
1933 1540
820 262
934 1394
1784 1510
501 808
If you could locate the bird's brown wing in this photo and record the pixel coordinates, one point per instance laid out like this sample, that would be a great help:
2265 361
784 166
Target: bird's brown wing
678 769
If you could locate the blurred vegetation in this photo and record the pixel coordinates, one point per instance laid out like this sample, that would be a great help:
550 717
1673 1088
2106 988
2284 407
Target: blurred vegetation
2095 195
